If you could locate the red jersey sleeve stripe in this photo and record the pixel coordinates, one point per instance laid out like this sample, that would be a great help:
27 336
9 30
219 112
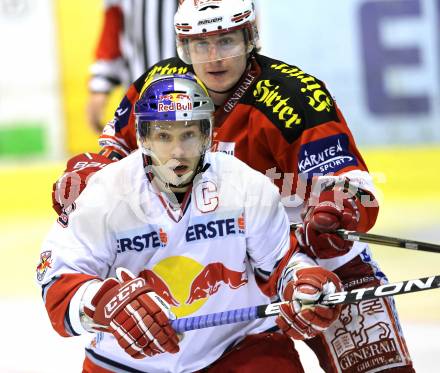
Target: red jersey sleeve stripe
58 296
269 287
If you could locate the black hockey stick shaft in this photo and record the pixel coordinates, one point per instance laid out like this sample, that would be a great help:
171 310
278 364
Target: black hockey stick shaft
383 240
343 297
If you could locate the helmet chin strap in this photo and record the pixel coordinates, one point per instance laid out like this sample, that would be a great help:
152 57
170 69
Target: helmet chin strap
169 179
164 182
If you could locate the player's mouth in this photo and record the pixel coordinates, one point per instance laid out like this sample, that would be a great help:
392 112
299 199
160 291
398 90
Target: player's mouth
181 169
217 73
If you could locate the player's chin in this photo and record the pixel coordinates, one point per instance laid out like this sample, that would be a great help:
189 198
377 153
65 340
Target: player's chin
220 85
218 81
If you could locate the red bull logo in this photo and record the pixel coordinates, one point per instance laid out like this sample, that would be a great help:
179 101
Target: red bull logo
174 102
186 284
45 263
208 281
159 286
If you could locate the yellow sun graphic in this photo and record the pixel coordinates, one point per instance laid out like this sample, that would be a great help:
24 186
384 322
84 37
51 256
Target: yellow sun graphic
178 272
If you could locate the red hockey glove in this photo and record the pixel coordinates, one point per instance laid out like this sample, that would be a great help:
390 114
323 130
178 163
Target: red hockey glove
136 316
76 175
333 211
302 318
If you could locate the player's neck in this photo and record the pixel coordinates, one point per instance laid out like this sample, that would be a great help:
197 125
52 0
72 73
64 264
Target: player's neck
219 97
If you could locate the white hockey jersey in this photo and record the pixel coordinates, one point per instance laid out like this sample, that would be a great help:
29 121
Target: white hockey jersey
200 258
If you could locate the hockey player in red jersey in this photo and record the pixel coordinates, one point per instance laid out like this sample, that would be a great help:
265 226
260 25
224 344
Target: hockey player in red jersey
174 222
284 122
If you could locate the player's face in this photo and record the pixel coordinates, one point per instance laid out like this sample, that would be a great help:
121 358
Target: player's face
176 148
219 60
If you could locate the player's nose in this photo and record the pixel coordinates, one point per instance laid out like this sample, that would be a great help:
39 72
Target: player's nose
213 52
177 150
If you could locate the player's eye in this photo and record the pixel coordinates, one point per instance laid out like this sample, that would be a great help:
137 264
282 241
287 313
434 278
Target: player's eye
201 45
163 136
226 41
188 135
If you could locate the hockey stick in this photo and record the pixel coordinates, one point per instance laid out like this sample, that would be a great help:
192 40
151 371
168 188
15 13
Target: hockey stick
343 297
382 240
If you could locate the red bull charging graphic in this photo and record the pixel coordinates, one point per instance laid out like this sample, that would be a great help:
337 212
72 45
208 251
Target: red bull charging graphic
186 284
174 102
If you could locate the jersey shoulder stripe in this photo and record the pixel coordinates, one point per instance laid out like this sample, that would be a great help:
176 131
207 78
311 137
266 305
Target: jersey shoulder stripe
290 98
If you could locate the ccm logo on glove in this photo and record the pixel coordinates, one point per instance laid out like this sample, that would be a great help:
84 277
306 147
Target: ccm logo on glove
124 293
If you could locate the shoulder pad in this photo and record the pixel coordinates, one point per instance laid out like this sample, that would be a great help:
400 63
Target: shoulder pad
169 66
290 98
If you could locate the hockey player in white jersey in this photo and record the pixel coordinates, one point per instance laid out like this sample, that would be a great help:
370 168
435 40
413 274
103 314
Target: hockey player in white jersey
175 230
